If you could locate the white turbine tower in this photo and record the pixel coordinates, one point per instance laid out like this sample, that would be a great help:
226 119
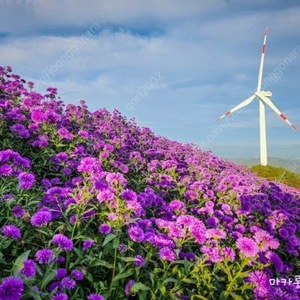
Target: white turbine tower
264 98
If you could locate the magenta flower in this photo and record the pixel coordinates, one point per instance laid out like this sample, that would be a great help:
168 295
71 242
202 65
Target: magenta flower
136 233
114 179
64 133
229 253
167 254
247 246
37 116
216 233
177 205
265 240
261 281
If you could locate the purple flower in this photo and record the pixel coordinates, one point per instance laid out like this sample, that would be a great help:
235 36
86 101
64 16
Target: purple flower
11 288
139 261
114 179
5 170
11 231
229 253
166 253
66 171
61 259
77 275
213 253
60 296
64 133
212 222
87 244
136 233
105 195
37 116
84 134
128 287
18 212
63 242
61 272
62 156
26 180
215 233
55 285
265 240
177 205
261 281
95 297
275 260
129 195
28 268
44 256
247 246
41 217
105 228
68 283
198 232
190 256
122 248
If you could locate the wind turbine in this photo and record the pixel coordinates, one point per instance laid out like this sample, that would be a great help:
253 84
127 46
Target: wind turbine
264 98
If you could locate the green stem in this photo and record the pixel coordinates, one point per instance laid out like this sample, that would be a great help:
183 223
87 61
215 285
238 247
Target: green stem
234 279
113 271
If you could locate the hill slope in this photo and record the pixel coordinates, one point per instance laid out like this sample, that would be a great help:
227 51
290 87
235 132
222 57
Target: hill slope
94 207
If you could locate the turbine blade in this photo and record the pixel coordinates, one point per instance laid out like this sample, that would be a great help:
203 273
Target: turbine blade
261 66
277 111
244 103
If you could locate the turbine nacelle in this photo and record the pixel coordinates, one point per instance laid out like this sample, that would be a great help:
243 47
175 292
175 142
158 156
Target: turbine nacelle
263 93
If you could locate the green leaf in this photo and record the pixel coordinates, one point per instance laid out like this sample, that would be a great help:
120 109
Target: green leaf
124 274
235 296
139 286
127 259
78 252
20 259
188 280
49 275
98 262
169 280
108 239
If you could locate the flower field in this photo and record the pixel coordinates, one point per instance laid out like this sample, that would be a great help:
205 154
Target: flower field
94 207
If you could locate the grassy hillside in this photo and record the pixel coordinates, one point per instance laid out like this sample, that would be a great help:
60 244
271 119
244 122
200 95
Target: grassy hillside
277 174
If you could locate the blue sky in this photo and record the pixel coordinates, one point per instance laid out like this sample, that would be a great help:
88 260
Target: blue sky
175 66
